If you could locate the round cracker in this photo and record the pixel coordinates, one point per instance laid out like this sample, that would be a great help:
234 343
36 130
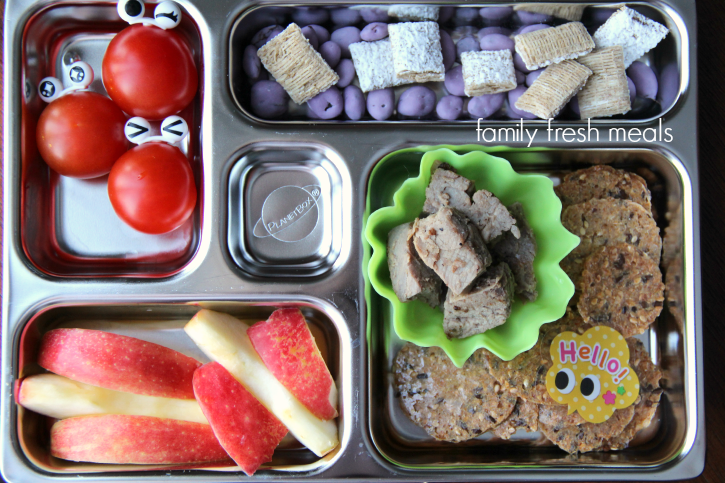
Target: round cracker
608 222
449 403
603 181
588 436
622 288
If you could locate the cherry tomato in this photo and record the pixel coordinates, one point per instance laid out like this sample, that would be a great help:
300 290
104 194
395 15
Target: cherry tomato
149 72
152 189
81 135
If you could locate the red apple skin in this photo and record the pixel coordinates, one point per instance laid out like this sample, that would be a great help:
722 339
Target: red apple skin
243 426
123 439
118 362
286 346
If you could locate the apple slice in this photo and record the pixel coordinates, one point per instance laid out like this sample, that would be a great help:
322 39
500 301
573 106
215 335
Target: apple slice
288 349
122 439
118 362
245 429
60 398
224 339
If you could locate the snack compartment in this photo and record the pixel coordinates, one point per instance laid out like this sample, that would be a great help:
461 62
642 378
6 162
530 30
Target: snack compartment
163 323
68 227
402 444
668 61
286 209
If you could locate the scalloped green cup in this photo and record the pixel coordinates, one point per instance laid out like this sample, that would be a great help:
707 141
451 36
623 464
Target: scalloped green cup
417 322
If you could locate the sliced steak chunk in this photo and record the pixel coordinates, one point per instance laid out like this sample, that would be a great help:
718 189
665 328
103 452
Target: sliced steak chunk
411 278
519 253
487 305
449 244
491 216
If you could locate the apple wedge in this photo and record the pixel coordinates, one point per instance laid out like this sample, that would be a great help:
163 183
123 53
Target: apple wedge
288 349
245 429
118 362
224 339
60 398
123 439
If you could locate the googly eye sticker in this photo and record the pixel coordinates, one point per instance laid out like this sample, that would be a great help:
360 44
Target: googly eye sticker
80 76
590 373
167 14
173 129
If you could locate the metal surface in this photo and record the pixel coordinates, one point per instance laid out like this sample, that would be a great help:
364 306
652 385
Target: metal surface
210 273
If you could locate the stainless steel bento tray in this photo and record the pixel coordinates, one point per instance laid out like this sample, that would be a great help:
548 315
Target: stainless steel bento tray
220 266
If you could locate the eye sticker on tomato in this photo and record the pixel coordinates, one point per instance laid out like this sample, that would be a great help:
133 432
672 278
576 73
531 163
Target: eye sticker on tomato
591 373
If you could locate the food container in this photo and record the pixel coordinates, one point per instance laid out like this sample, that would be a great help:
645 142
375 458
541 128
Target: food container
58 269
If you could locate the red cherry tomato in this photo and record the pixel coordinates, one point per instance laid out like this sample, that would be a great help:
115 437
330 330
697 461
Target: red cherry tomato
152 188
81 135
149 72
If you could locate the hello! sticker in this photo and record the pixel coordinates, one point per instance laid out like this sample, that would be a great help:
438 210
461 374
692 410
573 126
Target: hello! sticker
591 374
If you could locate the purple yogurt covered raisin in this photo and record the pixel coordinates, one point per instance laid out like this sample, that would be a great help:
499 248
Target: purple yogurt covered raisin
574 106
331 52
520 77
346 70
342 17
311 36
669 85
495 15
645 80
448 48
486 105
251 64
374 31
454 81
493 30
326 105
381 103
533 75
304 16
354 102
445 14
466 15
374 14
533 28
519 63
265 35
344 37
322 34
417 101
528 18
269 99
632 91
449 108
513 97
467 44
496 42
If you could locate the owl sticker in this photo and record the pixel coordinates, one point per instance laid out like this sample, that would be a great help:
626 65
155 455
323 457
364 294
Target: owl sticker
591 373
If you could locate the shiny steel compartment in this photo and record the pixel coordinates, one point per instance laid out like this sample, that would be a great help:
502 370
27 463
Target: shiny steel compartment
285 210
405 445
69 228
163 323
669 60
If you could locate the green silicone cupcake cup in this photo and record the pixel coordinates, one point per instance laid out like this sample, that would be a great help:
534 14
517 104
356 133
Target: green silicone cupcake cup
420 324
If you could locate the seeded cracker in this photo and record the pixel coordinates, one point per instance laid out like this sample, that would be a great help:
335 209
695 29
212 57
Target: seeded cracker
551 46
488 72
449 403
603 181
525 415
417 55
607 91
608 222
413 12
621 288
374 65
573 13
296 65
554 88
633 31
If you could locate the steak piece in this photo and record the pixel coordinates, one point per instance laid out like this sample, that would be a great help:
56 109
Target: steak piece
450 190
449 244
487 305
411 278
519 253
